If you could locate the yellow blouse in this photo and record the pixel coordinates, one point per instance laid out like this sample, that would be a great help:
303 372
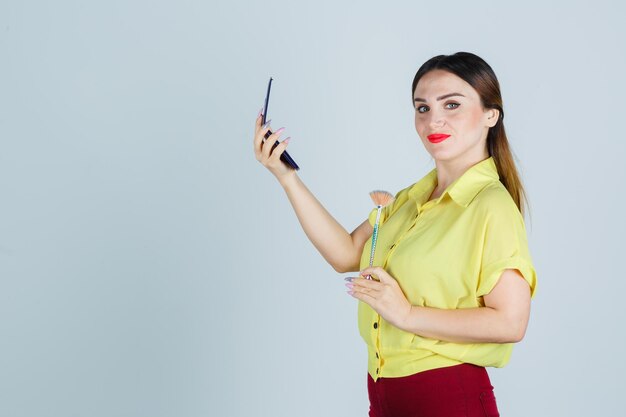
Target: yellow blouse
444 253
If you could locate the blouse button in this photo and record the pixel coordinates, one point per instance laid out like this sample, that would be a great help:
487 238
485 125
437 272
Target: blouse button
375 325
392 246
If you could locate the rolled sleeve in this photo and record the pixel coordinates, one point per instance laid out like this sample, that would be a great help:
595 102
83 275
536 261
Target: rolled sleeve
505 246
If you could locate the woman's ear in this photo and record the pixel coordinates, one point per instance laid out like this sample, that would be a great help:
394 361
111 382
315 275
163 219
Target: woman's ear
493 115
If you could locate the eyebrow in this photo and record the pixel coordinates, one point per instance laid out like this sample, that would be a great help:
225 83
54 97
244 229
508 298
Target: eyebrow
440 97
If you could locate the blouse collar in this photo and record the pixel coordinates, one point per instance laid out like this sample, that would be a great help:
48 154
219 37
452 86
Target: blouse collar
463 189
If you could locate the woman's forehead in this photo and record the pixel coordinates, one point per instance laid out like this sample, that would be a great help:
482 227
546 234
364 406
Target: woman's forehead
438 82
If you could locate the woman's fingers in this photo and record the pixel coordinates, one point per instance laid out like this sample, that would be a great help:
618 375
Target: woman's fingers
258 141
365 290
366 286
268 150
278 151
258 124
366 298
269 143
367 295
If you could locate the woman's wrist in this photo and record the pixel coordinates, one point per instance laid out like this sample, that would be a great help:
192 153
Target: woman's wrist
409 322
287 179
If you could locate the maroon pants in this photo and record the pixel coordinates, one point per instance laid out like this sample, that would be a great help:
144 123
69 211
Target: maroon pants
460 390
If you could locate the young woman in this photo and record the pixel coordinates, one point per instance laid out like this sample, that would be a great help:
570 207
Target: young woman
454 278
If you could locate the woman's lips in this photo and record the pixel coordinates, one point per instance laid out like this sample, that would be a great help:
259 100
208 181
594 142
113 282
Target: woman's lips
436 138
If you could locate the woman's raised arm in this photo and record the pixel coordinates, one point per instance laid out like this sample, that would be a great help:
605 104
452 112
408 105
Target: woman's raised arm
339 248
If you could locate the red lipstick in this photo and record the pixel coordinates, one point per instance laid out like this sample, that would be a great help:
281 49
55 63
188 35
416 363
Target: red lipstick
437 137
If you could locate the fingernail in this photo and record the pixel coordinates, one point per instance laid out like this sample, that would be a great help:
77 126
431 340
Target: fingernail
260 113
349 285
348 279
279 130
351 292
267 123
287 140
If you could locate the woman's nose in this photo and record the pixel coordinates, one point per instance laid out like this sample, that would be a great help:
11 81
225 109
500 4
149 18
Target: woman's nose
436 120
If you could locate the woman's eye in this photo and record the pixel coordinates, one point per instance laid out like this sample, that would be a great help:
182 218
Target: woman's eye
424 109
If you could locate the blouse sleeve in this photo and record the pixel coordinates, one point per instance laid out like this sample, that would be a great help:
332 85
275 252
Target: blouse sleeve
505 246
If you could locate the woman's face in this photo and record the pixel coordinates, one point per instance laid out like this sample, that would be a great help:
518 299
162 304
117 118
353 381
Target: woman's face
446 104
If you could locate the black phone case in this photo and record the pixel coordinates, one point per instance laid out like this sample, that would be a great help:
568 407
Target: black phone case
285 157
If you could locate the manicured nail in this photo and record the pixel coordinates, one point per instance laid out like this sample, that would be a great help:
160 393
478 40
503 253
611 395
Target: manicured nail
351 292
349 285
287 140
279 130
267 124
348 279
260 113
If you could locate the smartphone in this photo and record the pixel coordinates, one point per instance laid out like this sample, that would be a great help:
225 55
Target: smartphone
285 157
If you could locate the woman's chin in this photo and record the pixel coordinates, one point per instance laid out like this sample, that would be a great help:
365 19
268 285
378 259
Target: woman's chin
440 154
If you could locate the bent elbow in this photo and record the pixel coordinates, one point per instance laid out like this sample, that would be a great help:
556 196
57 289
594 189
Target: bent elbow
519 336
516 335
341 267
344 267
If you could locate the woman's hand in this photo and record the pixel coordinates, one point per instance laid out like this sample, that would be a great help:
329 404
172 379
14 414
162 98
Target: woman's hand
385 295
263 150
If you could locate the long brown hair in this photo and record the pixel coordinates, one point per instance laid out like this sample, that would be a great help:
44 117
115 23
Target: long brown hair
477 73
